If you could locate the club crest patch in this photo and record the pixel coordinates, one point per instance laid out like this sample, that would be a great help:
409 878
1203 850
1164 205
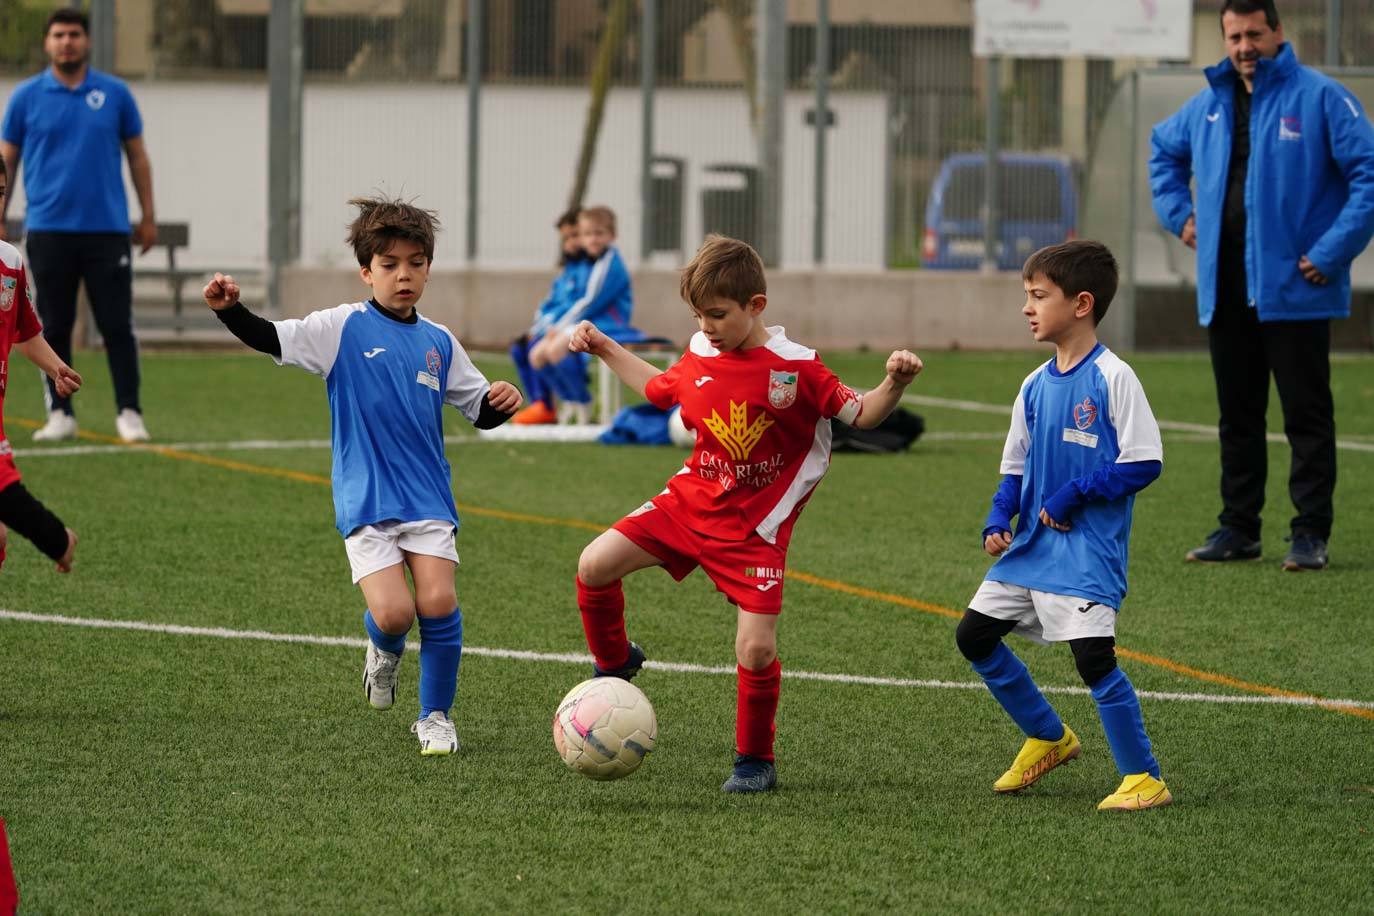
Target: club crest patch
433 362
782 389
8 286
1084 413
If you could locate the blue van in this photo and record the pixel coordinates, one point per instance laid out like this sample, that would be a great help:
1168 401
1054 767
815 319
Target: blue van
1038 197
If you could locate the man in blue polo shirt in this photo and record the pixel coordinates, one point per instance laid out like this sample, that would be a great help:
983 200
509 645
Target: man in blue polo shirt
67 125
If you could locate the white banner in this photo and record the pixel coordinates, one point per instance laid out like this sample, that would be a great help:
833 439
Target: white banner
1083 28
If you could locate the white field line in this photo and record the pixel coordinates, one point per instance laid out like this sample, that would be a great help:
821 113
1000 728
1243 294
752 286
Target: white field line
1171 425
243 445
577 658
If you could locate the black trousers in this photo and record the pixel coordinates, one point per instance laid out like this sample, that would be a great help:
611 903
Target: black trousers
102 260
1298 354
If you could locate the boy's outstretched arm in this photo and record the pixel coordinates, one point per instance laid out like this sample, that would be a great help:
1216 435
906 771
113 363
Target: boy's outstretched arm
64 378
902 367
633 371
1106 484
222 295
500 402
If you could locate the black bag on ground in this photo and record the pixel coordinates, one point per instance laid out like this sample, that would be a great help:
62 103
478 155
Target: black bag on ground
895 434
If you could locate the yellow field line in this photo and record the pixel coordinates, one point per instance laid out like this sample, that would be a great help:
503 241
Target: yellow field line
831 584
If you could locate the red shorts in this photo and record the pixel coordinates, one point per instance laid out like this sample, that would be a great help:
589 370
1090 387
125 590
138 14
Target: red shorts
748 573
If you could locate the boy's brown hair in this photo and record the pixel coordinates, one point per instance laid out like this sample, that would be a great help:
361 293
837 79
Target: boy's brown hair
1080 266
567 218
603 215
723 268
382 222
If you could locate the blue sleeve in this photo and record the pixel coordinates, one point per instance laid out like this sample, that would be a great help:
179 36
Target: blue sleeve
1171 170
1351 139
12 130
609 280
1106 484
130 121
1006 503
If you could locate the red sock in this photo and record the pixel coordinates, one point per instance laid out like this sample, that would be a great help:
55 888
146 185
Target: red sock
756 708
603 620
9 893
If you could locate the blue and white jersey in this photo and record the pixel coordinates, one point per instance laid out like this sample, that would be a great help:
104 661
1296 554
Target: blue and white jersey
387 381
1066 426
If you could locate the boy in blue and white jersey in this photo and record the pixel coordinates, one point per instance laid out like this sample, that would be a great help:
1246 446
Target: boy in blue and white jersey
541 385
388 372
1083 442
606 301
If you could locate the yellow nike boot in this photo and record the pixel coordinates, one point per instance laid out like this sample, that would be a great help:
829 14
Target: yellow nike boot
1036 759
1136 793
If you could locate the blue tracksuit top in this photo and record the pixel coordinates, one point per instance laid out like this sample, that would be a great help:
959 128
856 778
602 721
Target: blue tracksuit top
1309 189
606 300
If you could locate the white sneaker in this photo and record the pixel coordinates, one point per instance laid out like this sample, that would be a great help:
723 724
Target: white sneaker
129 425
61 425
436 733
379 677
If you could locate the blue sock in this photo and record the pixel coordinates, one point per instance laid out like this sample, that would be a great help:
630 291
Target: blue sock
1119 708
387 642
1010 682
530 380
441 648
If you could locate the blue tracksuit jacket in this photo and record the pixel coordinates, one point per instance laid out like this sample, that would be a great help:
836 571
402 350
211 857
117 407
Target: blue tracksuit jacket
1309 189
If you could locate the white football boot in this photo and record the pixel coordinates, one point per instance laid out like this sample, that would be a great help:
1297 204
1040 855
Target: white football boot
379 677
129 425
436 733
60 426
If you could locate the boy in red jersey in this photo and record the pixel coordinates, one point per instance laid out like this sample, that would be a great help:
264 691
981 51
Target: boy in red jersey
761 407
21 330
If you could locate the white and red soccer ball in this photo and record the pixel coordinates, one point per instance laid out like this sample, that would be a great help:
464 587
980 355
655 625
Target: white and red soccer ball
604 728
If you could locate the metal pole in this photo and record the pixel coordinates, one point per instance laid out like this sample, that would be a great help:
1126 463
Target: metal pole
772 62
822 124
1333 33
286 76
103 35
474 78
991 218
648 64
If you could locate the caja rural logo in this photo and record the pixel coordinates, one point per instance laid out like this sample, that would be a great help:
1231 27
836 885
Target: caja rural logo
740 435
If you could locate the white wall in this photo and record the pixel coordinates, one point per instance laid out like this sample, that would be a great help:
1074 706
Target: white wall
208 144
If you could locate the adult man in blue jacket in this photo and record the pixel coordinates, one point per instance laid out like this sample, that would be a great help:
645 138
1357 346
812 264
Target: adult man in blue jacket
1284 162
67 126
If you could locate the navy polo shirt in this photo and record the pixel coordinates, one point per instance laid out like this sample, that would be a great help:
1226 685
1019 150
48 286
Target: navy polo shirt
71 146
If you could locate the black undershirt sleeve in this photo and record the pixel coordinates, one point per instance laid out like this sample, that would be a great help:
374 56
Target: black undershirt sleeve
254 330
489 417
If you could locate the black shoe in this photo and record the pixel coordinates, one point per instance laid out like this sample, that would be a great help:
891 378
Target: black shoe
1224 545
751 775
1307 552
627 671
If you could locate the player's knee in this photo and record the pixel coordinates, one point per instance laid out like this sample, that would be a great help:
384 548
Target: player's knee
1094 657
977 635
592 569
436 601
393 616
754 653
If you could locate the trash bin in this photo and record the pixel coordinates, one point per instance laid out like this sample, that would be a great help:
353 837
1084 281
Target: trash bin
730 201
665 196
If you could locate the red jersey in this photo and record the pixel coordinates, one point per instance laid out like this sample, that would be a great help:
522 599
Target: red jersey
762 422
18 323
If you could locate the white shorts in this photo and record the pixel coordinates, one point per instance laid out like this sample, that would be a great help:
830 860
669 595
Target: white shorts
1044 616
375 547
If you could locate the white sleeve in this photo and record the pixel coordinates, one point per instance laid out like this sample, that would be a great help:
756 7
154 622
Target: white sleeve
1137 433
466 386
1018 438
312 342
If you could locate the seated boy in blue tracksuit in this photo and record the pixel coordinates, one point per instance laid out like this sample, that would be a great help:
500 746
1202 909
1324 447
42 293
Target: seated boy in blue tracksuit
607 302
567 288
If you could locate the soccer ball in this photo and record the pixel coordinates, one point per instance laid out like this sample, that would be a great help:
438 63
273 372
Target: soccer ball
604 727
678 433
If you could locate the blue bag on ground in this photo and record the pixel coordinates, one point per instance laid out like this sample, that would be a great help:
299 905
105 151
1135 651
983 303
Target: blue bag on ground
639 424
